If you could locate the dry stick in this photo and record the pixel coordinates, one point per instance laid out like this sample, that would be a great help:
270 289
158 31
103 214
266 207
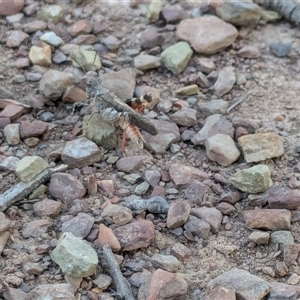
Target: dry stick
123 288
6 102
238 102
23 189
290 9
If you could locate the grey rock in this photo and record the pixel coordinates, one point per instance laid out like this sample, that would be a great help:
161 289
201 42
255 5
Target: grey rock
111 42
75 257
146 62
282 237
217 106
259 237
166 262
79 226
197 227
213 124
225 81
184 117
9 164
281 49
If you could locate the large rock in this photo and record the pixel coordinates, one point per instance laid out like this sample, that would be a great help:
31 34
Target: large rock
207 34
240 13
253 180
283 197
137 234
283 291
54 83
183 175
29 167
12 7
213 124
261 146
221 148
176 57
61 291
246 286
75 257
66 187
271 219
81 152
121 83
225 82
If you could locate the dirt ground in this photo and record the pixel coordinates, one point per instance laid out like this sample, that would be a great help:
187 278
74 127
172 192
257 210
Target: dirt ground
275 85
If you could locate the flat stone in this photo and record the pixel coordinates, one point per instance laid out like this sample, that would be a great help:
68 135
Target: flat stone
170 285
184 117
246 286
166 262
29 167
131 164
12 134
66 187
137 234
172 13
176 57
221 292
119 214
81 152
168 133
183 175
282 237
51 13
271 219
209 214
226 208
213 124
197 190
32 129
111 42
61 291
221 148
9 164
205 64
150 38
87 59
47 207
283 291
36 228
181 252
253 180
178 214
259 237
81 27
212 107
197 227
16 38
284 197
11 7
121 83
249 52
79 226
241 13
225 82
261 146
146 62
74 94
280 49
34 26
13 112
106 236
74 256
207 34
54 83
52 39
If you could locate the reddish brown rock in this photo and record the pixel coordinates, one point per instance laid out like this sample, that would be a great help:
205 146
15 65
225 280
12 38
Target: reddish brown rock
107 237
181 252
138 234
66 187
81 152
249 52
207 34
281 269
62 291
4 122
226 208
183 175
158 191
47 207
81 27
131 164
108 187
32 129
14 294
16 38
209 214
178 214
196 190
13 112
283 197
36 228
74 94
166 285
272 219
221 292
291 253
12 7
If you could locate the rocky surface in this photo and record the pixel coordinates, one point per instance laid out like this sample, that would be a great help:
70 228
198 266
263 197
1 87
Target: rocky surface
208 209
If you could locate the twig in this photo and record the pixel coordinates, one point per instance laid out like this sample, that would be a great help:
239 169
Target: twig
123 288
6 102
23 189
238 102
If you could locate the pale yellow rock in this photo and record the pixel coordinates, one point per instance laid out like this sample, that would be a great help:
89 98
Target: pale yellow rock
29 167
88 60
40 56
153 11
188 90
